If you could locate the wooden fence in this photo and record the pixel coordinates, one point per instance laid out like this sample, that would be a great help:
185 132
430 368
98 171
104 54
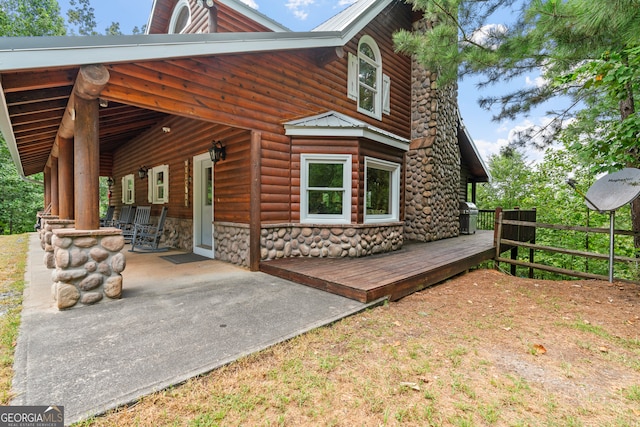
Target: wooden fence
511 234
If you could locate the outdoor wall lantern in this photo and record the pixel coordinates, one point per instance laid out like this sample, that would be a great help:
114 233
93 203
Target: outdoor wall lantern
217 152
142 172
110 182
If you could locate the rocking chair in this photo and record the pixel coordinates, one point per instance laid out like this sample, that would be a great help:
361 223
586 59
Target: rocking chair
146 237
107 220
125 218
141 218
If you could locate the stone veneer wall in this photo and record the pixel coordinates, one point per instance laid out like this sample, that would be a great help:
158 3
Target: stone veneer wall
433 161
329 241
88 266
231 242
178 233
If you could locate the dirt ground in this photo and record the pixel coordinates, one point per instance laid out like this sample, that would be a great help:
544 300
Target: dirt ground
481 349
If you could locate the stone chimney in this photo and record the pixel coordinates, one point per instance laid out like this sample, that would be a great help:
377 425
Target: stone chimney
433 160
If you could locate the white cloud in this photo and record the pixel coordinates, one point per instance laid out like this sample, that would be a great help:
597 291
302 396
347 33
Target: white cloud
299 8
537 81
487 35
250 3
346 2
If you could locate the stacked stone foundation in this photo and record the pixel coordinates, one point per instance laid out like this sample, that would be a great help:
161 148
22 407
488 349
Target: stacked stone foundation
88 266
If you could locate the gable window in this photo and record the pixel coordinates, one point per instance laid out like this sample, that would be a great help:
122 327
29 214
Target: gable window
128 189
180 18
382 191
159 184
325 188
367 85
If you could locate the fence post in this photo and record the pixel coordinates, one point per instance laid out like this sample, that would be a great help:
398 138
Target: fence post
495 224
497 236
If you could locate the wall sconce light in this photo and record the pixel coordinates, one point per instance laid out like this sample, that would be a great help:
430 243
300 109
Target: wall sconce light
217 152
142 172
166 129
110 182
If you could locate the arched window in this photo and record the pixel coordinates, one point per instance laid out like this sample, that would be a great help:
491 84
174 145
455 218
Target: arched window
367 85
369 76
181 17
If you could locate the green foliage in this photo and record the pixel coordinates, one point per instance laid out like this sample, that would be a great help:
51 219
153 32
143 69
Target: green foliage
20 18
510 185
19 200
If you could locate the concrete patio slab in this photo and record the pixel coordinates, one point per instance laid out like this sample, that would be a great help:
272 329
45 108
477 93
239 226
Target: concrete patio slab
174 322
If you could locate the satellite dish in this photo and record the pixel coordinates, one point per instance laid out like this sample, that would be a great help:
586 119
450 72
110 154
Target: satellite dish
614 190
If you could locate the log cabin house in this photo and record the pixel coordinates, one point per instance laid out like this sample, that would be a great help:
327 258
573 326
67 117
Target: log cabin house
329 143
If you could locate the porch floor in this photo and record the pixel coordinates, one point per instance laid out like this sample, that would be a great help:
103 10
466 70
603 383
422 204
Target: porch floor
393 275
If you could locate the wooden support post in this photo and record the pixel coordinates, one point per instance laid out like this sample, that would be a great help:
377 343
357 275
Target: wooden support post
65 178
497 233
87 164
54 187
84 113
47 186
255 221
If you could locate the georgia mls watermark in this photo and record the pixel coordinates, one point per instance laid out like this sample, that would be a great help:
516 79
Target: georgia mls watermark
31 416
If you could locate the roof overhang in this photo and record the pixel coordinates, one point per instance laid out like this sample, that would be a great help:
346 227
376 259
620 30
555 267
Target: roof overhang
333 124
471 155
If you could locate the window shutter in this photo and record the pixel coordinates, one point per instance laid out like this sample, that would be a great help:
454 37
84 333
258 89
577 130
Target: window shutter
150 186
123 183
386 94
352 78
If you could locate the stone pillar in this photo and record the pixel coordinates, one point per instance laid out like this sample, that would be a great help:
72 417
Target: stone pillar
47 235
433 160
89 266
44 219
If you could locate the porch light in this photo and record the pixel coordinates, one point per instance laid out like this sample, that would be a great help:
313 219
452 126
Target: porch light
217 152
110 182
142 172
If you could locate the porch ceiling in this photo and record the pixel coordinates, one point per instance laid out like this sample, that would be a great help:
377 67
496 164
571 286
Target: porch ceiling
36 101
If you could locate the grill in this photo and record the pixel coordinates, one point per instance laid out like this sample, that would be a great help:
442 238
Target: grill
468 218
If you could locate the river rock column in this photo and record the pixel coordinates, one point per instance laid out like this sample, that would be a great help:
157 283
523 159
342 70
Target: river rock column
47 235
89 266
433 160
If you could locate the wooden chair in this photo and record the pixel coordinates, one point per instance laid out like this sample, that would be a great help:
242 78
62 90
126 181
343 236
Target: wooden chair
107 220
147 237
125 217
143 213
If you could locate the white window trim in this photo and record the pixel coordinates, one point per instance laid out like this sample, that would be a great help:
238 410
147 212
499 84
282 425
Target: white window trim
153 185
176 14
394 185
377 104
345 217
132 197
382 101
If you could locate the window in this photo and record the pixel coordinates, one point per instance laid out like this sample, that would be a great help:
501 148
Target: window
180 18
382 191
325 189
158 184
128 189
367 85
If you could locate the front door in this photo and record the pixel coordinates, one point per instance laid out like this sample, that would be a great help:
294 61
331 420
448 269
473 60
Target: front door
203 205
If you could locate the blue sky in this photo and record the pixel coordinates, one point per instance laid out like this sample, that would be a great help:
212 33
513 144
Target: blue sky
303 15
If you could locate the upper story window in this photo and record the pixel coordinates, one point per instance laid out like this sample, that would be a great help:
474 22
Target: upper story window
367 84
325 188
180 18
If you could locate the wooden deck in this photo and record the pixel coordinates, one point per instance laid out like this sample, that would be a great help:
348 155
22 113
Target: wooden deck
393 275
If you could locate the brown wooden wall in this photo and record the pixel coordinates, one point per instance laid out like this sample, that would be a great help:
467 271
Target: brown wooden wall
228 19
261 92
188 138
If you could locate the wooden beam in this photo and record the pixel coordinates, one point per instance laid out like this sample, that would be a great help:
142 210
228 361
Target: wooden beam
54 186
65 178
255 224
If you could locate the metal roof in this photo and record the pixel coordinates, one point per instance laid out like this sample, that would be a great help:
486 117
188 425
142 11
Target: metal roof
334 124
350 21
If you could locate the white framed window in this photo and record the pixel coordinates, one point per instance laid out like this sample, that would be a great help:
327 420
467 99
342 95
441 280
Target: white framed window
382 191
128 189
325 188
158 184
367 85
180 18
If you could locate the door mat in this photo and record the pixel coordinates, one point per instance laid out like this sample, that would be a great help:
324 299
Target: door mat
185 258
